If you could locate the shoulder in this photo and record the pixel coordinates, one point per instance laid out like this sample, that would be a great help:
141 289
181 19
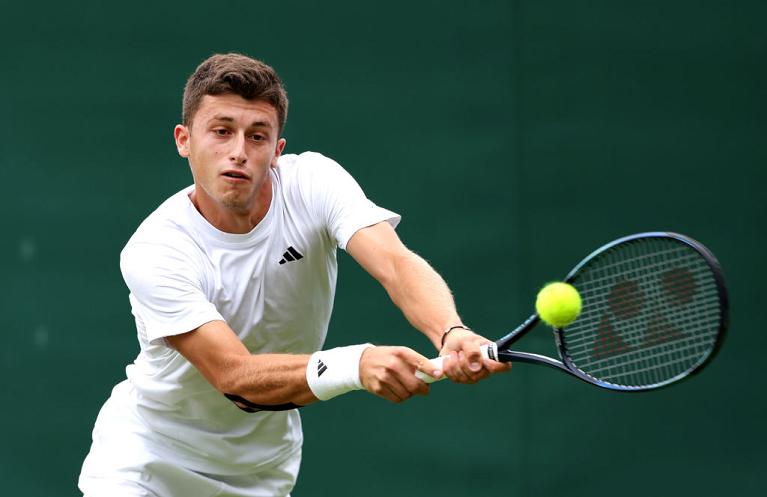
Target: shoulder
310 179
164 236
306 167
311 174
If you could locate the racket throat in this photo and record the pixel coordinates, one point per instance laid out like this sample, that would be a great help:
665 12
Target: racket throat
490 351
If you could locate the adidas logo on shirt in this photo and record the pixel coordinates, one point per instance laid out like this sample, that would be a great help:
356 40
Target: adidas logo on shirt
290 255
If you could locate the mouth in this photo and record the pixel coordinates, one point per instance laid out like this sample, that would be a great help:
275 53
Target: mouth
234 175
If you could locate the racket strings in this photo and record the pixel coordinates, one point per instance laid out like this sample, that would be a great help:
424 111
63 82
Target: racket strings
633 328
638 267
638 331
627 302
650 313
631 358
639 261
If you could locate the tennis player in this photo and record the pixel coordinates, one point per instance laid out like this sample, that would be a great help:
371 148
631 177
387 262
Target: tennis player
231 285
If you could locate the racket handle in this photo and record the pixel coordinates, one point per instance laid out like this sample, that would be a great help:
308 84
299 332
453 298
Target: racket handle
488 350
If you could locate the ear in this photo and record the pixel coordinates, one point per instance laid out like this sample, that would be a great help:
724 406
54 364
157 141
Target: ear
181 134
278 151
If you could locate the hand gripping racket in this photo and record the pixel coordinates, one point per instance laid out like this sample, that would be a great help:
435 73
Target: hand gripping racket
654 312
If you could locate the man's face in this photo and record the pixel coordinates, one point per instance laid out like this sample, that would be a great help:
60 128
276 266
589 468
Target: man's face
231 144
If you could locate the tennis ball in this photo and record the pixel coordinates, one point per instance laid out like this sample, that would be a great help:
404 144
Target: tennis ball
558 304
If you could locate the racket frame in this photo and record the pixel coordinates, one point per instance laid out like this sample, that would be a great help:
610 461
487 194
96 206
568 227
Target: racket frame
566 364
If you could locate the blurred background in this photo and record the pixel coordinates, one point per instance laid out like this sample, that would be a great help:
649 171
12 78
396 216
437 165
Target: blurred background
514 137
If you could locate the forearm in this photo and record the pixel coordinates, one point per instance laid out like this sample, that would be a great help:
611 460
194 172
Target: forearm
422 295
425 300
267 379
258 381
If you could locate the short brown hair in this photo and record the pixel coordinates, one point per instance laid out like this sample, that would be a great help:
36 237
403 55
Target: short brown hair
237 74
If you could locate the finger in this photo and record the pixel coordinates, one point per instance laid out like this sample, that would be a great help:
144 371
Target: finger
390 391
465 367
482 374
392 395
405 377
497 367
399 377
414 385
474 361
395 382
453 368
432 367
474 364
423 388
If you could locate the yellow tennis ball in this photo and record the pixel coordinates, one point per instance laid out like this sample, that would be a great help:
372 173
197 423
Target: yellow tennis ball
558 304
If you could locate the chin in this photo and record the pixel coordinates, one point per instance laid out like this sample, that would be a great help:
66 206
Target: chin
235 202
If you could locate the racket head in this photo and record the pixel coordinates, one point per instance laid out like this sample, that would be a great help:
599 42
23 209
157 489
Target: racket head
655 311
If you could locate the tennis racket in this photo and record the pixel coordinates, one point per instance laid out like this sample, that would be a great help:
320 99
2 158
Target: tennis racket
654 312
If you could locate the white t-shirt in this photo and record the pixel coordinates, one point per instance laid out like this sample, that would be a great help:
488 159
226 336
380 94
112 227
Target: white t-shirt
274 287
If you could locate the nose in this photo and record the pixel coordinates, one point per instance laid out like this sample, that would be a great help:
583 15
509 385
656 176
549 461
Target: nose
237 153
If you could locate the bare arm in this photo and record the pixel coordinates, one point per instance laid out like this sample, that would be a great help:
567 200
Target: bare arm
424 298
412 284
276 379
265 379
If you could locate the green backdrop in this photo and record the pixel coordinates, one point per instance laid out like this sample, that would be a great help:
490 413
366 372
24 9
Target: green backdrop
514 137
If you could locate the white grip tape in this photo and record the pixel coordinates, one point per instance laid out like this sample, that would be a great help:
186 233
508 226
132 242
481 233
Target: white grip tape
488 350
335 371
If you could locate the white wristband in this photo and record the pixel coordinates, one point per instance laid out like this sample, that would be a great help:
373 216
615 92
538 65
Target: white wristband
335 371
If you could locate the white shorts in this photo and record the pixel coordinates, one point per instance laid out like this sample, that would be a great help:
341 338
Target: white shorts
164 479
125 461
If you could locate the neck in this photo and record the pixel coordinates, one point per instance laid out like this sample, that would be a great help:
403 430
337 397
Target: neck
231 219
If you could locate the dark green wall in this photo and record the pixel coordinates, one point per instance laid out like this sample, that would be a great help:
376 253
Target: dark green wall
514 137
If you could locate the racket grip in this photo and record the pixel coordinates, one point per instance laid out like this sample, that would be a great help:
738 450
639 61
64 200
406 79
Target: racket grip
488 350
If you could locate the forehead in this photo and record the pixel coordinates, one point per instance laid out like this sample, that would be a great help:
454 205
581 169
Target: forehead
235 108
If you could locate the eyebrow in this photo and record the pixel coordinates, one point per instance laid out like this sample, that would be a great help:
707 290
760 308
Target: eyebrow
228 119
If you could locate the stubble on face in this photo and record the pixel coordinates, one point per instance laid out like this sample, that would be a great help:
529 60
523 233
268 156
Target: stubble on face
241 200
232 145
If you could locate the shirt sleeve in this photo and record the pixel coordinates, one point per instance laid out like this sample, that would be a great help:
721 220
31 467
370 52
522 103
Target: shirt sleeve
166 288
334 195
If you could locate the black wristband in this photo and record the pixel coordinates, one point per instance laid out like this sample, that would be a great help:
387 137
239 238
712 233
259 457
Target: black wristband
447 331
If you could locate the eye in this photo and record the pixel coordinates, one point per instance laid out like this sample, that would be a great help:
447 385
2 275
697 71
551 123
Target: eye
258 138
221 131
